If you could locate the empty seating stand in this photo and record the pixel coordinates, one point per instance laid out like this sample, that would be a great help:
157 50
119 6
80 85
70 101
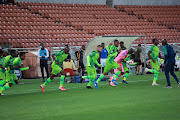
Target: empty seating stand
27 24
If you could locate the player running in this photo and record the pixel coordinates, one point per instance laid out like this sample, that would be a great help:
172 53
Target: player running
110 63
12 62
153 55
121 59
91 70
58 58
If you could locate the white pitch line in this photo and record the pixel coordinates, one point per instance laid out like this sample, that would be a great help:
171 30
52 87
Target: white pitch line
73 87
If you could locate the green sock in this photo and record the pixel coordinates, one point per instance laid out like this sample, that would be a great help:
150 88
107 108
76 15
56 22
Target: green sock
90 82
47 82
155 78
100 78
5 87
117 74
125 76
62 80
153 71
1 83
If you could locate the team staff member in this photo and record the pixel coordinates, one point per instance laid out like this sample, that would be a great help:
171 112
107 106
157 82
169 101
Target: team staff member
138 57
43 54
103 55
80 59
169 62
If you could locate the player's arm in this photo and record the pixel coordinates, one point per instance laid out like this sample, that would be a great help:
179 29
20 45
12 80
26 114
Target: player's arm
53 56
149 55
114 54
98 64
88 60
165 54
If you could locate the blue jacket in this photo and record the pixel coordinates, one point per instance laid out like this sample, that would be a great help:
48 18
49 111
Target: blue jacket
169 54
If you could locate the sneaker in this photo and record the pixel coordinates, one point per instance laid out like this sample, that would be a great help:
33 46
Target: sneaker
43 80
42 88
114 81
124 82
112 84
179 85
146 70
88 87
62 88
96 84
168 86
154 84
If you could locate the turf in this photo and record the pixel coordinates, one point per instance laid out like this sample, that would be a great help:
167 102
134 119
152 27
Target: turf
137 100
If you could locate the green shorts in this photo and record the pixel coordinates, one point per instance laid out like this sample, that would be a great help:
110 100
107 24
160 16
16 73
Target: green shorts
109 66
155 65
55 68
91 71
2 76
10 77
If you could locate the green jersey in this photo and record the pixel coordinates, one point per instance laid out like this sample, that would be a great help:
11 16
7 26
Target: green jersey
7 62
112 52
92 58
1 63
60 57
154 52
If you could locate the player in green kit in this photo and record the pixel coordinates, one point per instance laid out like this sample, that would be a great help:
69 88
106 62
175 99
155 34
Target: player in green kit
2 69
91 70
58 58
12 62
153 54
110 63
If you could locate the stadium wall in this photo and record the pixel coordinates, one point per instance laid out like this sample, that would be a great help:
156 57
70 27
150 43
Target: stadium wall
99 2
146 2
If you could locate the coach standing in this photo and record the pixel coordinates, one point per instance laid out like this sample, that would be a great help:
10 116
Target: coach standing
169 62
43 55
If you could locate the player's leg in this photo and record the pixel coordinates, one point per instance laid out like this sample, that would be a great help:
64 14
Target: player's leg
55 70
116 75
92 75
155 70
174 75
126 70
62 80
167 70
107 68
9 80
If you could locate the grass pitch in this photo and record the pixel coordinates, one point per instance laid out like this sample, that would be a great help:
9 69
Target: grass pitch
137 100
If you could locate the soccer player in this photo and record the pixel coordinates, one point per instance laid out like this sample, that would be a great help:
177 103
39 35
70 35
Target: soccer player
110 63
153 55
12 62
169 62
91 70
58 58
121 59
2 69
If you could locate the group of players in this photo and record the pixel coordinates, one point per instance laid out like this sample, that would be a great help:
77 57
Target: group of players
116 60
8 65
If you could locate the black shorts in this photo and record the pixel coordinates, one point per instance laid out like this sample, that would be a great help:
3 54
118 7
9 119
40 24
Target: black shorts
81 64
139 62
